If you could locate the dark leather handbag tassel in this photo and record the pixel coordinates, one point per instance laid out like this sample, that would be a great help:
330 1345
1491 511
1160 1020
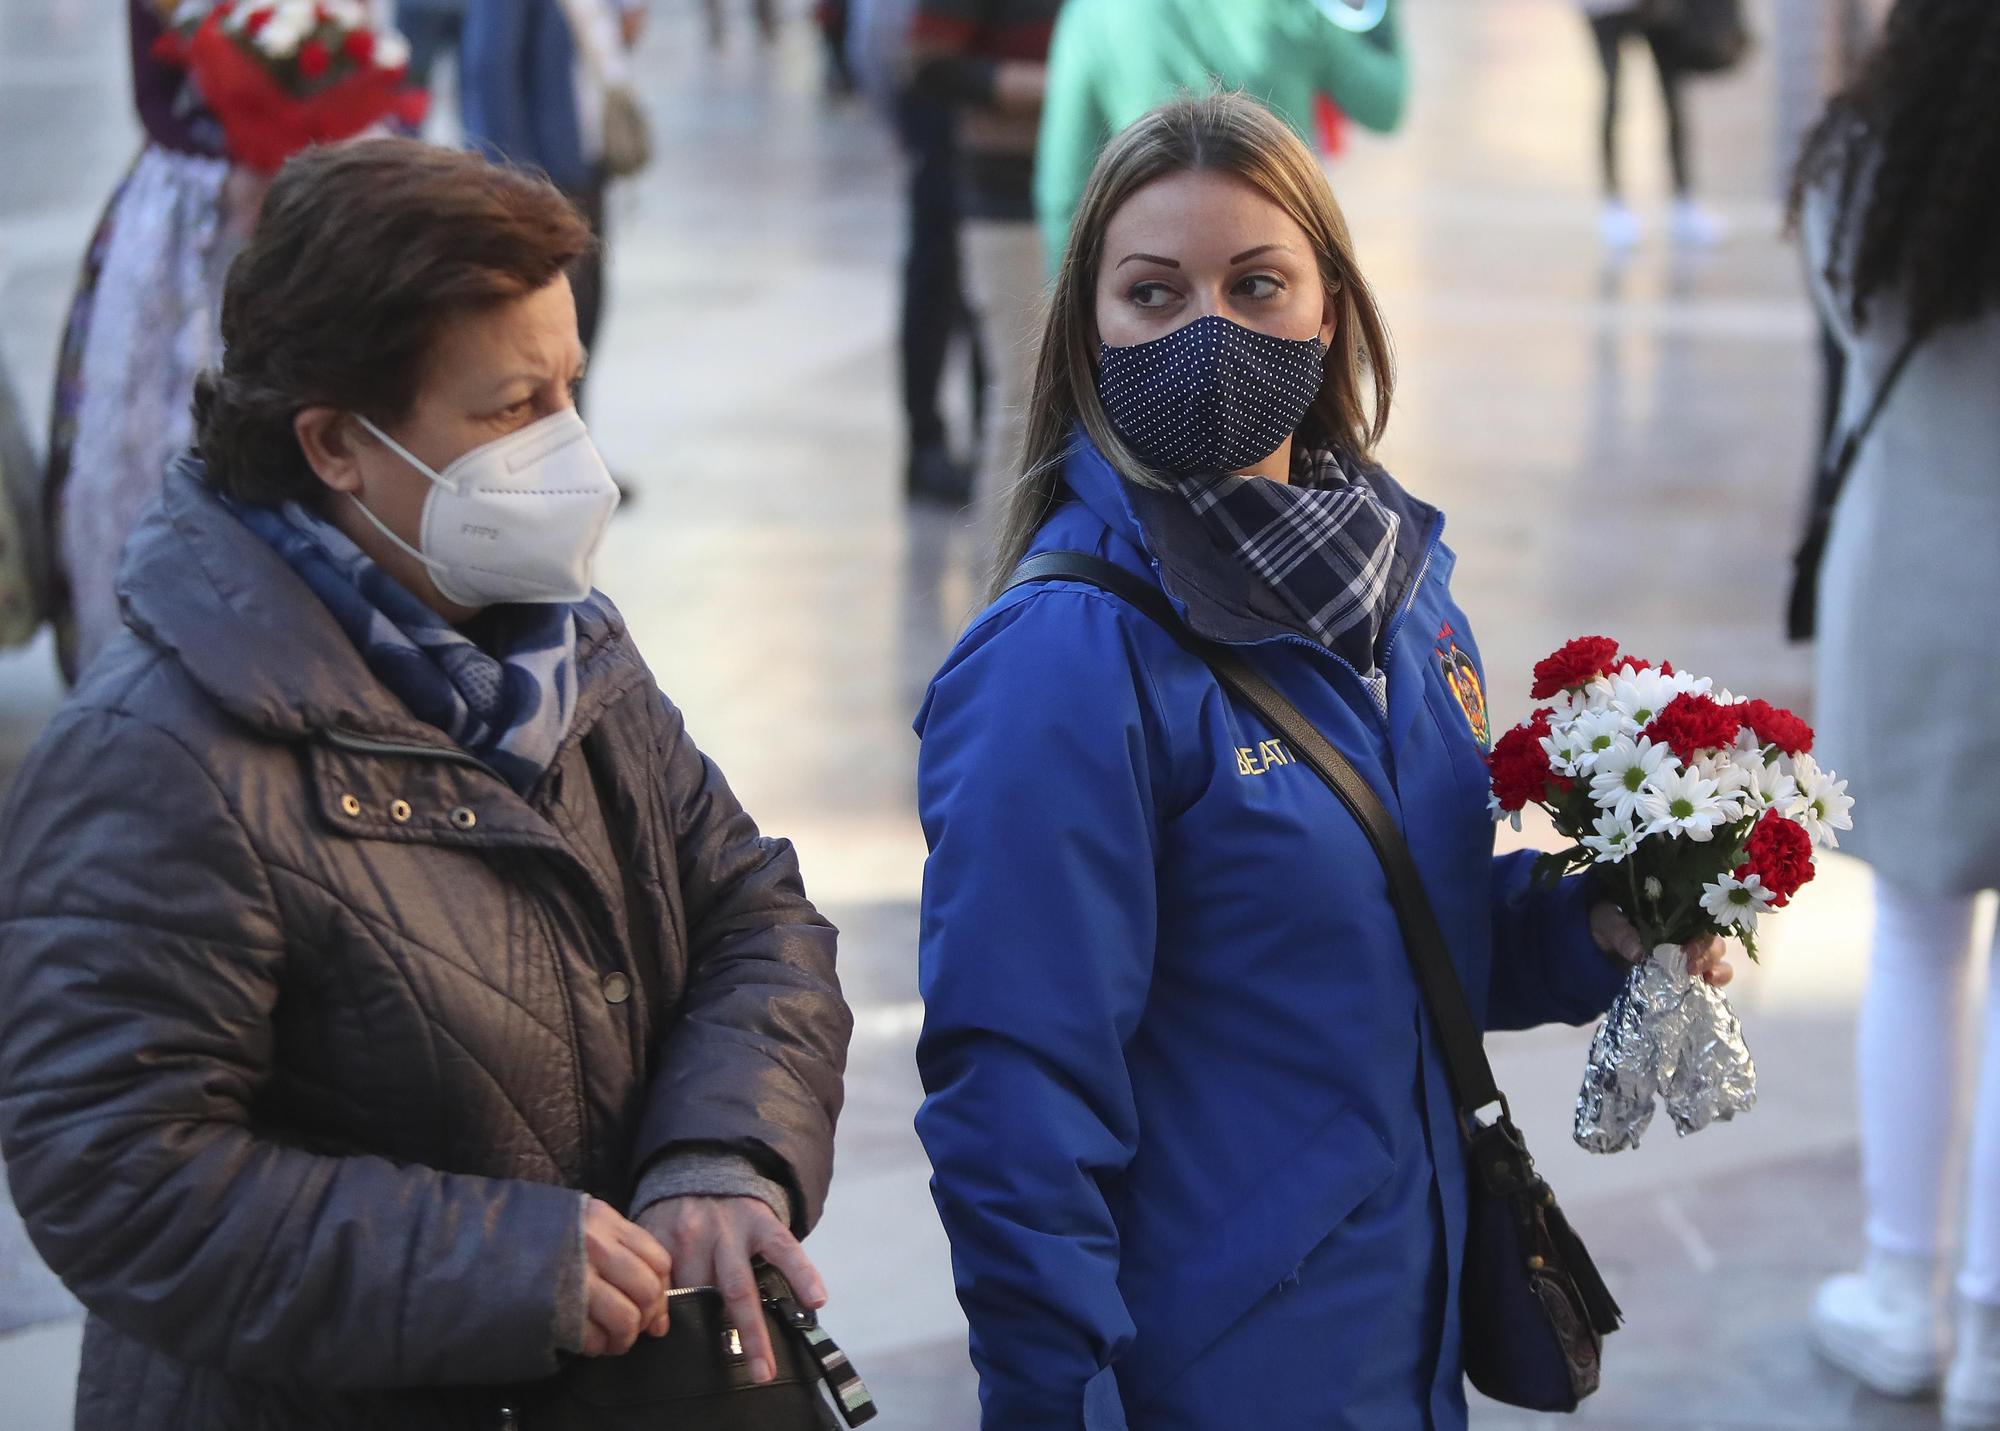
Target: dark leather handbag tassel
1606 1316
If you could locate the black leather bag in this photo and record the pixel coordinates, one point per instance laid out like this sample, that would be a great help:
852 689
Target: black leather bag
1697 36
697 1377
1532 1307
1802 604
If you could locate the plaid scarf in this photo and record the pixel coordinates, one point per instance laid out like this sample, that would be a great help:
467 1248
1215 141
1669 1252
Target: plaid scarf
1322 542
510 710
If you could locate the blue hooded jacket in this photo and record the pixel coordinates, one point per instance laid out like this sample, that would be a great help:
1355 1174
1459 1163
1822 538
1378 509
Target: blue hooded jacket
1191 1133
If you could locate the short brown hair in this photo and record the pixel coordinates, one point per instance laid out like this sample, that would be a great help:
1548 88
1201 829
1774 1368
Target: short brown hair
362 252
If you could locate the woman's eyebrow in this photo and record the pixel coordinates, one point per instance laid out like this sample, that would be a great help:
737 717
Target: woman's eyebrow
1250 253
1149 258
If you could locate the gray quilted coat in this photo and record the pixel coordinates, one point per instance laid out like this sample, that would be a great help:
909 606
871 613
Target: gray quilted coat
312 1030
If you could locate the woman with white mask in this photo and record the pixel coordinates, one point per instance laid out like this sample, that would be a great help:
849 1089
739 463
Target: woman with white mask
393 999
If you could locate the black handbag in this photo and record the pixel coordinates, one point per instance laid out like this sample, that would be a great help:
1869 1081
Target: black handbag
697 1377
1533 1309
1697 36
1802 604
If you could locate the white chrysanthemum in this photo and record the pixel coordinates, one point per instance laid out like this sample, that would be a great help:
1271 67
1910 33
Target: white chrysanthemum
1621 774
348 14
1738 902
1496 814
392 51
1561 746
1615 839
1733 778
1682 802
1597 734
1771 788
1575 743
1823 802
1641 695
279 40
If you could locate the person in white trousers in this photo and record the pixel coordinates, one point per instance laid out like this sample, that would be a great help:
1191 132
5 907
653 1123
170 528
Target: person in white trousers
1899 206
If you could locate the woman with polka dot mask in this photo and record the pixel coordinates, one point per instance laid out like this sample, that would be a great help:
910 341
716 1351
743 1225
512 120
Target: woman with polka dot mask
1193 1137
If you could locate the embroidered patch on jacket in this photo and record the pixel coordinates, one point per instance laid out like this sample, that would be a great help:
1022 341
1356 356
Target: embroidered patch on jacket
1463 678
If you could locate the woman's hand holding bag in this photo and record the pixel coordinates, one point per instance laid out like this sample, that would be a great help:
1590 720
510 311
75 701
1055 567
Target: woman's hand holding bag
627 1273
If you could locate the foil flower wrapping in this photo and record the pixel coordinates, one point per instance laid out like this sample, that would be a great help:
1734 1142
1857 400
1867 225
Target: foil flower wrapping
1668 1037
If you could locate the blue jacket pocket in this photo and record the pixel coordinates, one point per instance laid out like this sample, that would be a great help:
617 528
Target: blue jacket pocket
1186 1296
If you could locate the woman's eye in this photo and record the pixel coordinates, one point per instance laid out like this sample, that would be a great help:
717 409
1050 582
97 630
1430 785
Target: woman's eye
1261 285
1150 295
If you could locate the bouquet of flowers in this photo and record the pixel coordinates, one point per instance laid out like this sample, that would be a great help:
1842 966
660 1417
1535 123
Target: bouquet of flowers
280 75
1702 811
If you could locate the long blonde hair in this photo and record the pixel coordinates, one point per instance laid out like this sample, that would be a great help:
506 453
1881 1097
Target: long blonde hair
1217 133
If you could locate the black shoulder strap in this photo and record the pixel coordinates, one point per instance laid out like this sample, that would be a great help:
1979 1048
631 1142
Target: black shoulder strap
1850 445
1458 1033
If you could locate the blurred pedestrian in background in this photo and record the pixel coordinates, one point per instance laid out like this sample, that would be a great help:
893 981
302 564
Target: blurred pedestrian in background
1113 60
1660 23
218 121
764 12
392 997
933 315
142 324
833 18
988 61
1898 202
433 28
532 81
1191 1131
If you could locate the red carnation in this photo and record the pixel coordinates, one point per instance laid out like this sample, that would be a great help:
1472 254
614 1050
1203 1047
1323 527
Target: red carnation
1577 664
1777 726
313 59
1781 857
1690 724
1520 767
257 21
360 46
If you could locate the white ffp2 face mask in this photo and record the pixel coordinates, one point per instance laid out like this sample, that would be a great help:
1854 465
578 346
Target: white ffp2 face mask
518 519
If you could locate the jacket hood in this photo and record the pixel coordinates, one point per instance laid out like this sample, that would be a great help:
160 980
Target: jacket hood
203 588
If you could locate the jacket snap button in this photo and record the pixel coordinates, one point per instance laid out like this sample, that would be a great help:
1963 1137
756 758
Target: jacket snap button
464 818
617 988
399 811
349 805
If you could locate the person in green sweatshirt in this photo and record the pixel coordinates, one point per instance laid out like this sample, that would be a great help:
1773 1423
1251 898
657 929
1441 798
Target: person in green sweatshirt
1113 60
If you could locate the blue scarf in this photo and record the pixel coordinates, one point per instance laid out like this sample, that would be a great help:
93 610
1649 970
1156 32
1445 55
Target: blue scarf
510 709
1323 542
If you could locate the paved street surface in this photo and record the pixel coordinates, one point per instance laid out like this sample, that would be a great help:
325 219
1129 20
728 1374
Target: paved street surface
1620 447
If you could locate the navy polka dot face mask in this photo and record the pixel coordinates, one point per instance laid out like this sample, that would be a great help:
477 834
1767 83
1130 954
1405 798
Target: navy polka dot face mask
1210 395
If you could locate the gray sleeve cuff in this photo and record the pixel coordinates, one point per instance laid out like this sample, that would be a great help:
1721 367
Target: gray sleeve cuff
572 1307
708 1172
